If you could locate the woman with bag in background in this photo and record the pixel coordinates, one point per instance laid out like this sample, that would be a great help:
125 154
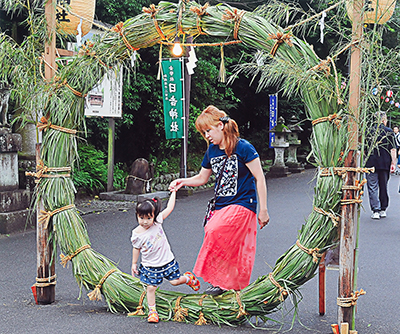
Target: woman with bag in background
226 257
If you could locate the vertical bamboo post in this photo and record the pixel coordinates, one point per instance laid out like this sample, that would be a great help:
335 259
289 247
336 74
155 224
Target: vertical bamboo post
348 230
321 285
45 263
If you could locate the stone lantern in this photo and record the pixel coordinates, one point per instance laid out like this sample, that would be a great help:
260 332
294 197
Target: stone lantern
294 143
279 169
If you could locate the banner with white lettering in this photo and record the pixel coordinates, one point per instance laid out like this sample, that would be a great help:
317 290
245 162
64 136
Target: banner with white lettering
172 89
273 112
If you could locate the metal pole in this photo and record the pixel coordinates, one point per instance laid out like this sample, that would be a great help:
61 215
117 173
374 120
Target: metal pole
349 212
110 160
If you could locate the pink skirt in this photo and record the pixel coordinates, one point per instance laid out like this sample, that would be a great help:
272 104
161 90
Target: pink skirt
226 257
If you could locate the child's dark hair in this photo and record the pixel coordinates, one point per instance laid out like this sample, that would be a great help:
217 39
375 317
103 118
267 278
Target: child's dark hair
148 206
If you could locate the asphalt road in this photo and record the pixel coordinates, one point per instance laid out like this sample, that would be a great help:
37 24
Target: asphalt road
289 203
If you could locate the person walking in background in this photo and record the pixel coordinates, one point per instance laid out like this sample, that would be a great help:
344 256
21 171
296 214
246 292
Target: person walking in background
158 261
397 141
227 255
381 141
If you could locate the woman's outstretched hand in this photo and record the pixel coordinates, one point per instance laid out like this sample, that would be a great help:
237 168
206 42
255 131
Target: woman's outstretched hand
263 218
175 185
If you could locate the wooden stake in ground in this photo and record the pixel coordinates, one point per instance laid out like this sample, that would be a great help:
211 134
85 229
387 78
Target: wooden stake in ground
348 230
45 281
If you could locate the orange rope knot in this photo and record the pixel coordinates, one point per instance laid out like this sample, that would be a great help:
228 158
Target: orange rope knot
350 301
202 320
96 293
65 259
200 11
180 312
46 281
44 216
282 291
139 309
333 217
314 252
334 118
279 39
85 50
241 308
44 124
119 28
234 15
153 11
358 186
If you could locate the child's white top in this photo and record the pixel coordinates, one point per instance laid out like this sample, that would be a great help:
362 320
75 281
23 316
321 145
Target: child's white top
153 245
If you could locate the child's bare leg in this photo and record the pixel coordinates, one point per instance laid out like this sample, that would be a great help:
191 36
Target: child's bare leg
179 281
151 295
189 279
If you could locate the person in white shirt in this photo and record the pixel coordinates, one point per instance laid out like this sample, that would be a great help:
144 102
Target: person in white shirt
158 261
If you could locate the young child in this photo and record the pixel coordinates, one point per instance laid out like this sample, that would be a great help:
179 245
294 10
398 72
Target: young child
157 261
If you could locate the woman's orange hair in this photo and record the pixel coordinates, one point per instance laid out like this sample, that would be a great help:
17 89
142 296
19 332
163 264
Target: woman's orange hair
211 116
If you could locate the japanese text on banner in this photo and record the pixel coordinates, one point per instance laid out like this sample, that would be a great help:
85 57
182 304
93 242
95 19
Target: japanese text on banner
172 88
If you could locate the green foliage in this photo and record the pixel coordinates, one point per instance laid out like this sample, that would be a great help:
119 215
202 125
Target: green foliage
116 11
91 174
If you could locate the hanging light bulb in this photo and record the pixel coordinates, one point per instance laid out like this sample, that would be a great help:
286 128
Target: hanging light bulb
177 50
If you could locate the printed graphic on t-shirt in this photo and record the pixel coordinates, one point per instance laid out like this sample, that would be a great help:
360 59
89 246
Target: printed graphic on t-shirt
228 184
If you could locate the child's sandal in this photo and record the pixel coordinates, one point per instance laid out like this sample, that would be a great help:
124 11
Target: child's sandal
153 317
194 283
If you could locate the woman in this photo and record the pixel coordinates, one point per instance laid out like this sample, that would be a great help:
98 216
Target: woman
227 255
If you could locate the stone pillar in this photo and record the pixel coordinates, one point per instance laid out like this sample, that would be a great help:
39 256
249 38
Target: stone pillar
294 143
14 202
279 169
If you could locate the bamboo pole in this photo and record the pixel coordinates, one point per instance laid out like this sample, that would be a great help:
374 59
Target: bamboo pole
45 287
348 230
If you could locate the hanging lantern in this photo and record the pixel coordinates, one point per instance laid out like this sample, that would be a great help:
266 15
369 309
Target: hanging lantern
389 93
375 91
387 99
376 11
397 104
84 13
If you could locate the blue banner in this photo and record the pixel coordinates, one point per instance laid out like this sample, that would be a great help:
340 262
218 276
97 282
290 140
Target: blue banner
273 114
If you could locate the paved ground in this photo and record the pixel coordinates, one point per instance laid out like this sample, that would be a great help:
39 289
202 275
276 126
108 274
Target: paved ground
110 224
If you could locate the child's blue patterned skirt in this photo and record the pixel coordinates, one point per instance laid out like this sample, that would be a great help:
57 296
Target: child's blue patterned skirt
155 275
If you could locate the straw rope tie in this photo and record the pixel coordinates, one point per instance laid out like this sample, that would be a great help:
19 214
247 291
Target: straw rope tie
279 38
96 293
202 320
283 292
335 219
180 312
234 15
324 66
341 171
153 11
241 308
41 171
147 184
85 50
65 259
45 124
314 252
46 281
139 309
119 28
350 301
44 216
334 118
200 11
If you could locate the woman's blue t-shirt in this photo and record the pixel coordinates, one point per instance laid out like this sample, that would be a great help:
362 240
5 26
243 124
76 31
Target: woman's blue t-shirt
237 185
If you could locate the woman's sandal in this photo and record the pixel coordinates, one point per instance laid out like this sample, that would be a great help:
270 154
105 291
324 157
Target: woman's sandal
153 316
194 283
